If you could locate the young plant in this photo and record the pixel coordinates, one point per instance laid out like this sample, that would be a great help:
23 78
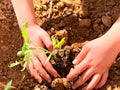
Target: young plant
27 50
38 5
55 45
7 87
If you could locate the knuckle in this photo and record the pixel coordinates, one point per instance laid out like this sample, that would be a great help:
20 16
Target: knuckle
76 73
84 78
47 67
37 68
41 73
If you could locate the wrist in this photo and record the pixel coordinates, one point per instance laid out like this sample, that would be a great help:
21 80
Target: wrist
24 11
34 26
113 36
31 23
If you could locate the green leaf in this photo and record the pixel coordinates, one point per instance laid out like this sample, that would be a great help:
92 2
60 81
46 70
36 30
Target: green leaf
24 32
7 87
24 47
26 60
27 57
60 43
49 57
24 66
20 53
14 64
53 40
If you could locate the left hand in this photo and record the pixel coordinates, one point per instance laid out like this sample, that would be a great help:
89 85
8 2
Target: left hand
93 64
38 67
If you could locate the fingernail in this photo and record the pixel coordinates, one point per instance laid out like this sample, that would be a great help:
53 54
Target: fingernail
67 78
74 61
68 75
55 75
96 87
73 87
40 81
49 81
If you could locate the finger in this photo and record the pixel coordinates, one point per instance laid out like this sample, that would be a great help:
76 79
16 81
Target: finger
103 80
96 78
47 65
38 67
47 41
77 70
82 79
33 72
81 55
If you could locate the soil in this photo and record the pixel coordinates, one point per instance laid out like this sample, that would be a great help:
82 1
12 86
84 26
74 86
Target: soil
79 21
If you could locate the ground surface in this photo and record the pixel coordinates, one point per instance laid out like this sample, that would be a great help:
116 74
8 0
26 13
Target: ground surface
77 20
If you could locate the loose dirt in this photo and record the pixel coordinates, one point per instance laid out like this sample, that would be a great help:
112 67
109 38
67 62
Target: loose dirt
78 21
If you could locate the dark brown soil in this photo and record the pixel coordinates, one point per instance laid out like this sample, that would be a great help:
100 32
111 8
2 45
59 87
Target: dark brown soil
77 20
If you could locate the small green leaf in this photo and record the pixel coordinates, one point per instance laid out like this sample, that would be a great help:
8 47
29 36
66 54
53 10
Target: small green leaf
53 40
49 57
24 66
60 43
24 32
7 87
26 61
36 5
27 57
14 64
24 47
20 53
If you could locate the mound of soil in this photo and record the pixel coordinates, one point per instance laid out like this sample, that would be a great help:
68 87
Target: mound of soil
78 21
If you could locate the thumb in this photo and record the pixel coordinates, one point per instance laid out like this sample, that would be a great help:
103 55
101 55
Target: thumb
47 41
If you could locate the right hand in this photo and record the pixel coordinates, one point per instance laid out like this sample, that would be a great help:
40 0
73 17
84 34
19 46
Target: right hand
38 67
93 63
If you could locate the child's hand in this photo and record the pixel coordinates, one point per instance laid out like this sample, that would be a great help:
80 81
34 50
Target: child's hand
93 63
39 68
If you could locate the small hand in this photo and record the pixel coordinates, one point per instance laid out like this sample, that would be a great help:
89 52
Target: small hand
38 67
93 64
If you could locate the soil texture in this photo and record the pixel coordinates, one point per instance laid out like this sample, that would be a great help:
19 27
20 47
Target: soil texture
79 21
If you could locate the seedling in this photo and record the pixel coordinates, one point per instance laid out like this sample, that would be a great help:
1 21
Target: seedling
38 5
27 50
8 85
